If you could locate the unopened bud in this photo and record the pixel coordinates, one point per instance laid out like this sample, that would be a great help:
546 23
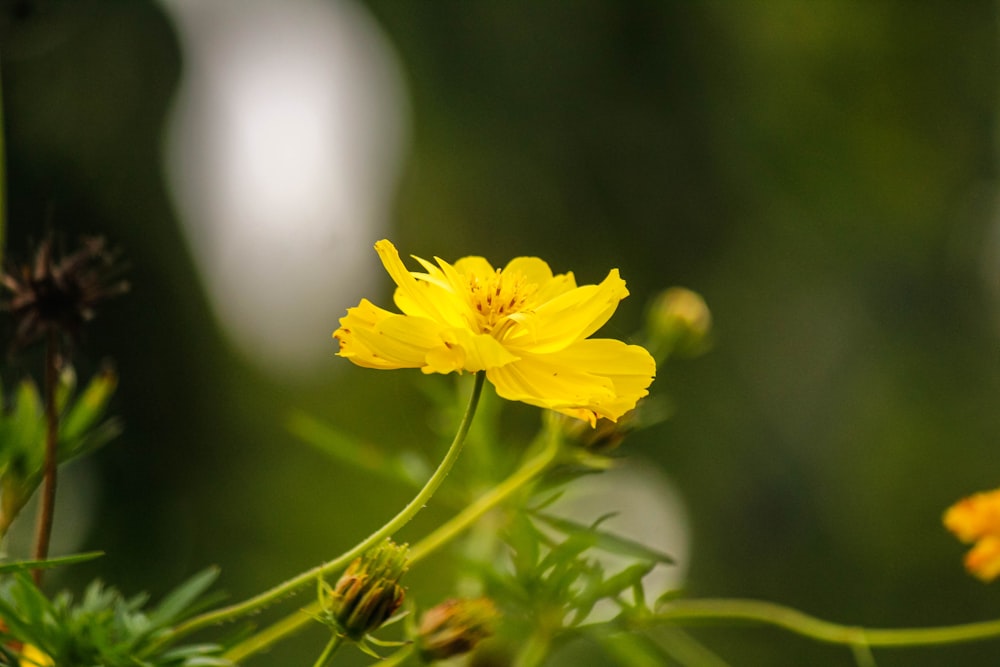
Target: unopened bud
368 593
455 627
678 323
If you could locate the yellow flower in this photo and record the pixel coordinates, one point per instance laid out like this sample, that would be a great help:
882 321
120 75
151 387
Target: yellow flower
527 328
32 657
977 519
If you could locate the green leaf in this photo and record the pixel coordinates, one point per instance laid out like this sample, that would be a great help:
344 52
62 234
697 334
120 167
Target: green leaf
26 422
27 565
179 601
631 650
606 541
630 577
408 468
89 407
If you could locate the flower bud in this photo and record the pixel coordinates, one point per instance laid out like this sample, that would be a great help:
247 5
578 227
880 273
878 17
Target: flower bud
678 322
368 593
455 627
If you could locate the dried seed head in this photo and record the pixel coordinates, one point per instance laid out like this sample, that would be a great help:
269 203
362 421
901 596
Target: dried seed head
58 295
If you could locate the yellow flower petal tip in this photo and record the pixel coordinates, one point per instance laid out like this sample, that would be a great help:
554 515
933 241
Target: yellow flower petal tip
32 657
528 328
977 519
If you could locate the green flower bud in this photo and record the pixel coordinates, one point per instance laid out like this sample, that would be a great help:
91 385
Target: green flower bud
455 627
368 593
678 322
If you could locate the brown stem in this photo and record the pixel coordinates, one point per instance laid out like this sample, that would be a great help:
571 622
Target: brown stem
44 531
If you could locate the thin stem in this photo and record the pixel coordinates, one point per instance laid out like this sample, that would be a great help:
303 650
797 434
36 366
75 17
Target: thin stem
768 613
529 471
397 658
257 602
331 647
498 494
274 633
48 500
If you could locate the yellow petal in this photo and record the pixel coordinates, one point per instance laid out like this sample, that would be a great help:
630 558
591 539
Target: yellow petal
983 560
534 270
32 657
974 516
587 380
375 338
483 351
568 317
464 350
417 297
558 285
363 317
473 266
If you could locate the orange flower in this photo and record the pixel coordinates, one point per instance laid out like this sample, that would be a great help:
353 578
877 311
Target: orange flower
977 519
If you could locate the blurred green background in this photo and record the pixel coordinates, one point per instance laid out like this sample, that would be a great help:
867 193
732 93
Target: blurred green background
824 173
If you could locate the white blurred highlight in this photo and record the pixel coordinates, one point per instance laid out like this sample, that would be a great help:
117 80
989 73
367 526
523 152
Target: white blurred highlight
283 152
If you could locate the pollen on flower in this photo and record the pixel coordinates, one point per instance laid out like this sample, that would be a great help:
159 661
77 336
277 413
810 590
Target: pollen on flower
497 296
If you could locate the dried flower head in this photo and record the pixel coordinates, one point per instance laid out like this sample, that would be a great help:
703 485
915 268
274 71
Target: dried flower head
58 294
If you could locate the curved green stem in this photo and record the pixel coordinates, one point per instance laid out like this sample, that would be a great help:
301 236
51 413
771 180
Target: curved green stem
309 576
529 471
768 613
498 494
397 658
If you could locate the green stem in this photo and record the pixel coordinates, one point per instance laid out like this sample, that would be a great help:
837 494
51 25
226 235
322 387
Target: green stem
257 602
331 647
397 658
529 471
273 633
768 613
498 494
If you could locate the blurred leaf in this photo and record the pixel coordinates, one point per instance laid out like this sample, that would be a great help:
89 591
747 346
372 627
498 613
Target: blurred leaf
102 627
89 407
181 600
631 650
606 541
630 577
26 565
65 385
407 468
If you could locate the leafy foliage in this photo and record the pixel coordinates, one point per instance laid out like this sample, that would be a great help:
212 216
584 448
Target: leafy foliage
82 429
103 627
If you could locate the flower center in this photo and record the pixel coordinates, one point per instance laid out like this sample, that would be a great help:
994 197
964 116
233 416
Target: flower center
495 297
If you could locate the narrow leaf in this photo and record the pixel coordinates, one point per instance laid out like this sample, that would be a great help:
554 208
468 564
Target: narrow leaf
180 600
408 469
26 565
606 541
